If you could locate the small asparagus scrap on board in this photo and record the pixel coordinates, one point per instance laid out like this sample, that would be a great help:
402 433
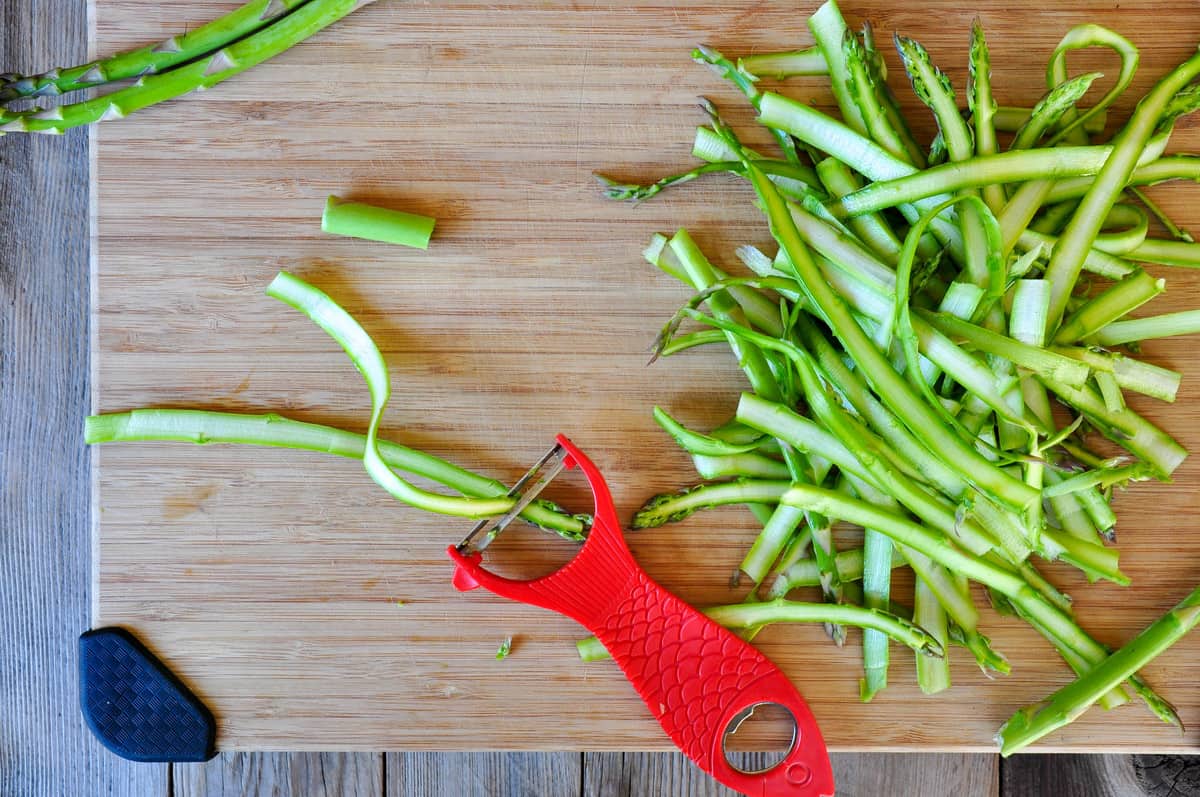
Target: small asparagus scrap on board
371 223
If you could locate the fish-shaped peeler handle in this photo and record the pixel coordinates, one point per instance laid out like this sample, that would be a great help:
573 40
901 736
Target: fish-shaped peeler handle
695 676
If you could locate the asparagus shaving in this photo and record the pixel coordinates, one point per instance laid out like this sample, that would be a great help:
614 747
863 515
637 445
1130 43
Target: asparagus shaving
697 443
932 676
754 615
851 566
206 426
1150 172
1183 254
1173 229
363 352
1006 167
1185 322
1105 308
776 531
745 83
867 97
1081 37
674 507
1009 119
794 63
983 108
1065 263
933 88
829 31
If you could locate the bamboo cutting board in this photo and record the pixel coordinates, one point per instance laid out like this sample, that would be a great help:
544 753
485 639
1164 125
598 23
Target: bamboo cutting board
309 610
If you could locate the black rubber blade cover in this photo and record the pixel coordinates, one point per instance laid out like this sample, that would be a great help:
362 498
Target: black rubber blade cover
135 706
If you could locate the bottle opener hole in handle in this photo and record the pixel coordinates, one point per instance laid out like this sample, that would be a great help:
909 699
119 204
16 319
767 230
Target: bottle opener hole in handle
700 680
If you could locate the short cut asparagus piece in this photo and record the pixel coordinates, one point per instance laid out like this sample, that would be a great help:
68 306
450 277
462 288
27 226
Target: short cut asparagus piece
360 220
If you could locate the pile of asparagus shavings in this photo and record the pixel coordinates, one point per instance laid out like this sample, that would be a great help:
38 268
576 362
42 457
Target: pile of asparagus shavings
192 61
903 345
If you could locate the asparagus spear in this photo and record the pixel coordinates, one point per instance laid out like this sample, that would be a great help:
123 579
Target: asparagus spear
204 73
153 59
1032 723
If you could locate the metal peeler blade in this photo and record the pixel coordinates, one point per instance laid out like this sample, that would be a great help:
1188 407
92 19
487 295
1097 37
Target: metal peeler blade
526 490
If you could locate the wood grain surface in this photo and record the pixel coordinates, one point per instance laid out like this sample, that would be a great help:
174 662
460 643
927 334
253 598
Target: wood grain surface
270 580
59 757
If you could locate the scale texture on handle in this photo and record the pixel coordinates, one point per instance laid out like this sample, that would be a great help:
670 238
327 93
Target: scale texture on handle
695 676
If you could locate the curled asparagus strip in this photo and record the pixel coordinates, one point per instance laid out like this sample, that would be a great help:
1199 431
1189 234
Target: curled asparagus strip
269 429
754 615
153 59
1078 38
363 352
1032 723
204 73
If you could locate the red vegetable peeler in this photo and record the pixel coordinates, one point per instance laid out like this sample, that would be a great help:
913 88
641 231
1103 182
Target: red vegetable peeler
700 680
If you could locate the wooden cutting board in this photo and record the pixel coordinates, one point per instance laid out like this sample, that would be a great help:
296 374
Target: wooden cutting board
309 610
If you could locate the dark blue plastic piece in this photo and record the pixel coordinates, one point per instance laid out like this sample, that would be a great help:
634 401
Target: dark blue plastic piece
135 706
